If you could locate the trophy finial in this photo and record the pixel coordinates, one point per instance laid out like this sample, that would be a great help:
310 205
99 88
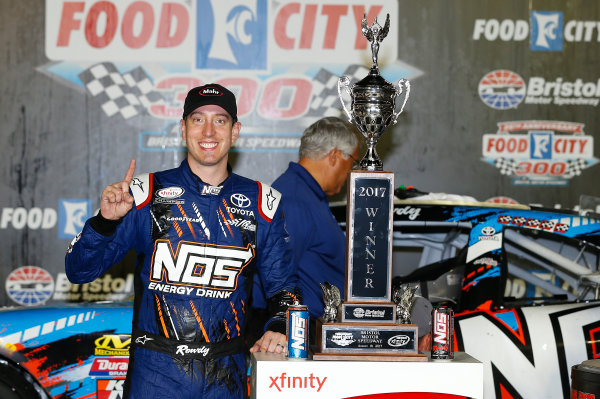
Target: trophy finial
375 34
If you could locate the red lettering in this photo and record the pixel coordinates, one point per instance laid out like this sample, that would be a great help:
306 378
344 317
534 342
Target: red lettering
523 168
582 143
360 41
308 26
169 12
558 168
512 145
333 13
247 94
490 144
523 145
68 22
298 89
91 24
280 34
147 22
540 168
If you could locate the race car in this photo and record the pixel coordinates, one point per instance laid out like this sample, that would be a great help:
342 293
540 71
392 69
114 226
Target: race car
523 282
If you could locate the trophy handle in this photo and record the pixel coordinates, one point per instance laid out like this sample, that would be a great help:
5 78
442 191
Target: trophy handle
406 84
344 83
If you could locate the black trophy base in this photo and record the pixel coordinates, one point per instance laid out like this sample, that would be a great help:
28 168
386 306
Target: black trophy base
367 342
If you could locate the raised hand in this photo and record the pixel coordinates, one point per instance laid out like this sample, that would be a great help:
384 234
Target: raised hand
116 200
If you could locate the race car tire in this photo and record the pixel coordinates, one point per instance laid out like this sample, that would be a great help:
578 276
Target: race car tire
16 383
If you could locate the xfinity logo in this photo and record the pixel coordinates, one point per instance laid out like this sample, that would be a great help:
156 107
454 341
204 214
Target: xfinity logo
399 340
240 200
283 381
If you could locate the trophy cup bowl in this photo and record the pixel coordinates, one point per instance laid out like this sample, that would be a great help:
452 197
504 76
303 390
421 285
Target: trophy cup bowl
373 105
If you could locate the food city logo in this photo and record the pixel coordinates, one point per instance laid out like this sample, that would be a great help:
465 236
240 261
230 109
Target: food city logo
503 89
539 152
72 214
202 270
116 51
29 285
548 30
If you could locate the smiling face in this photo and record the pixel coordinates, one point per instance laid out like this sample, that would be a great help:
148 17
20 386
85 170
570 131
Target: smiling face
209 132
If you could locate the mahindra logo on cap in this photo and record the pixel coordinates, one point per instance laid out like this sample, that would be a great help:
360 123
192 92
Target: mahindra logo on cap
211 91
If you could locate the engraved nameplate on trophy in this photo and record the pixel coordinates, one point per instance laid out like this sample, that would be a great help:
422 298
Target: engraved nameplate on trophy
369 232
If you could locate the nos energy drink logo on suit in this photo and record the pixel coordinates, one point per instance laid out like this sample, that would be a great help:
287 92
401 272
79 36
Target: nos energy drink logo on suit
240 30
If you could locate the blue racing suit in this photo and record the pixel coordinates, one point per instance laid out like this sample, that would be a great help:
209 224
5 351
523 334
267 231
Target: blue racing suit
198 247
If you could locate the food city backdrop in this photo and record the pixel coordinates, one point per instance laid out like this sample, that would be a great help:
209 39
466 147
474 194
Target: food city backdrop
504 103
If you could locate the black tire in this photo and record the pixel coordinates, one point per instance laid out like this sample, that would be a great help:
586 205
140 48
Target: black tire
16 383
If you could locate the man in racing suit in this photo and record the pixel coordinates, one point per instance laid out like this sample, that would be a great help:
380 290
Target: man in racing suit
200 233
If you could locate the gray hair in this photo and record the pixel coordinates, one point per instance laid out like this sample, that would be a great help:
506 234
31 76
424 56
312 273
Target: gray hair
326 134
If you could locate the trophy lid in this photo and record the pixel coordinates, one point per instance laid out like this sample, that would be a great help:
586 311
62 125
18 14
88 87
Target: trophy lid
374 83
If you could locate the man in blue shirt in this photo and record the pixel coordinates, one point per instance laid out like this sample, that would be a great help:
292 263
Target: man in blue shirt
329 149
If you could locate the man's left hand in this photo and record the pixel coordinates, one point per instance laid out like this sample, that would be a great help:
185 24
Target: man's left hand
270 342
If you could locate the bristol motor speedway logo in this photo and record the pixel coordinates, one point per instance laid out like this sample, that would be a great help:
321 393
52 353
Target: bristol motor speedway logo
539 152
281 59
547 30
503 89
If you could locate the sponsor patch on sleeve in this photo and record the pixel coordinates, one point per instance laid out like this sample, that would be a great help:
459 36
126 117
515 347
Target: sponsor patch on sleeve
141 187
268 199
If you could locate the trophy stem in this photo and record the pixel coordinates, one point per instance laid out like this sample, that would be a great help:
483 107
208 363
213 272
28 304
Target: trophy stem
371 160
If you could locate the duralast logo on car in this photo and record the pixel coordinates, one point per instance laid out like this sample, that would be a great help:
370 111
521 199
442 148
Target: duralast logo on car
503 89
398 340
539 152
170 192
109 367
179 272
548 30
112 345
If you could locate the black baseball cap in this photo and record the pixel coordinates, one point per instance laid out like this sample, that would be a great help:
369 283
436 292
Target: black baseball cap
210 94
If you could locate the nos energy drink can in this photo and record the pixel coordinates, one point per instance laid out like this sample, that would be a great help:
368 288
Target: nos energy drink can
297 332
442 334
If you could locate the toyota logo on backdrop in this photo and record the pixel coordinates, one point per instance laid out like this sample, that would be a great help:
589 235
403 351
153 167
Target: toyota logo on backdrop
240 200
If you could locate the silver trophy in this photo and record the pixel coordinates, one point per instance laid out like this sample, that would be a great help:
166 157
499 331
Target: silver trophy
373 106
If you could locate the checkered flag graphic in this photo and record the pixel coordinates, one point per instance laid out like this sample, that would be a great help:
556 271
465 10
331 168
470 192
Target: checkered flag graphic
548 225
504 219
561 227
506 166
125 94
574 167
325 100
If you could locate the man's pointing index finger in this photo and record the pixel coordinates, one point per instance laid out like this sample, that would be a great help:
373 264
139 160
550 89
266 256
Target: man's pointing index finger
130 172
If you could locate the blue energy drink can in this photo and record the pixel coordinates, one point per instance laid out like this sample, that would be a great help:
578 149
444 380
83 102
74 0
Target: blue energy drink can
297 332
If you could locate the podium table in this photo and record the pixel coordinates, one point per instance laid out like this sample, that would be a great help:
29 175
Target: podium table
274 376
